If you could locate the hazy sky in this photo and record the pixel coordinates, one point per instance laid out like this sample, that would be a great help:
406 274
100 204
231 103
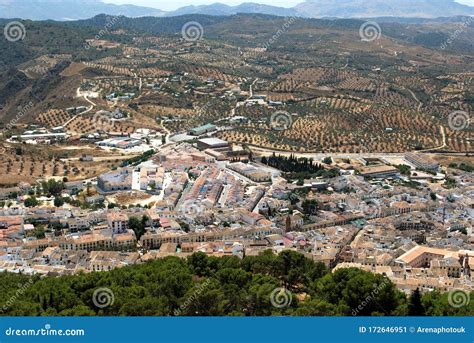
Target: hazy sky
174 4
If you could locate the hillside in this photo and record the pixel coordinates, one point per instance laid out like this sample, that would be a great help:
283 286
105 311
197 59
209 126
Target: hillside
408 79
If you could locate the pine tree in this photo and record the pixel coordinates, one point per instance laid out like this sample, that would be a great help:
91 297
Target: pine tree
415 307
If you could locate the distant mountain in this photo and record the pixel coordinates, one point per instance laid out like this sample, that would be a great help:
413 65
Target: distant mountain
222 9
341 9
382 8
83 9
69 9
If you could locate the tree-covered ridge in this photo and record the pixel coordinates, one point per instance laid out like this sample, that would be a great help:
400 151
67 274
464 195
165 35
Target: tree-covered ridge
212 286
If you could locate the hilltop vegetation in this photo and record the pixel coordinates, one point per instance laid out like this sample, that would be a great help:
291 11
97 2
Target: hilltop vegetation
211 286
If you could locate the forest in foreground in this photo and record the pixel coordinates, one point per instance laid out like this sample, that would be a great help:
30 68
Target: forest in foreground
287 284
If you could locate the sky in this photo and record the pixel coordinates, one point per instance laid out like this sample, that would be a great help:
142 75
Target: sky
168 5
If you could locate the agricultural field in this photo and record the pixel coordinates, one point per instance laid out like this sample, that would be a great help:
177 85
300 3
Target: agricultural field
341 94
42 64
54 118
26 163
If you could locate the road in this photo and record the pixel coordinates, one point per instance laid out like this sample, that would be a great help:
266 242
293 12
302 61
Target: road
79 94
83 95
168 132
102 158
251 89
420 104
443 138
441 128
319 155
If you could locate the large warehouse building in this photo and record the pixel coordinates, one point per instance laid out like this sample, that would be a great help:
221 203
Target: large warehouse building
213 143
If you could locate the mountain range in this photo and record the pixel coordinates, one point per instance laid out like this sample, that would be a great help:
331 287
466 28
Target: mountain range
69 9
82 9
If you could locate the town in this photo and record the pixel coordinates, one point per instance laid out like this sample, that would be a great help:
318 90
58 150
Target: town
410 221
245 163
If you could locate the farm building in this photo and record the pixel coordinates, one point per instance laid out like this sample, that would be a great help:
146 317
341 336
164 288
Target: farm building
197 131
